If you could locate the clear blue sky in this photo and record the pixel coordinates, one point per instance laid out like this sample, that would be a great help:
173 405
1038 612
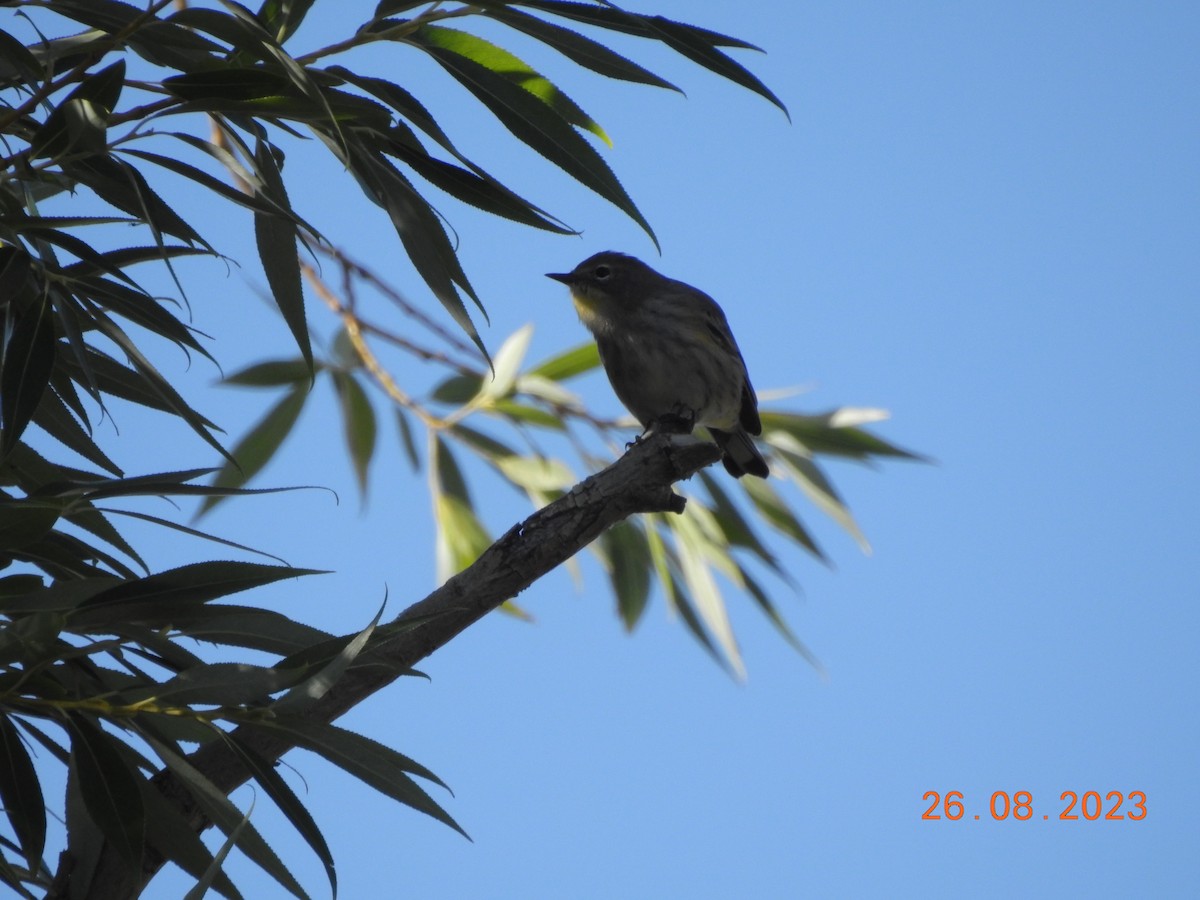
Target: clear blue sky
983 217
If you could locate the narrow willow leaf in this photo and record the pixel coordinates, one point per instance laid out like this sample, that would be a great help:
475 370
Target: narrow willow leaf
214 804
246 626
179 588
419 230
109 787
461 537
478 191
576 47
369 761
627 558
500 61
118 183
281 18
607 15
778 515
507 363
755 590
21 794
522 413
289 804
536 474
808 475
255 450
219 684
25 370
569 364
736 530
835 432
407 441
316 685
686 41
154 380
53 417
702 587
277 236
272 374
170 834
210 874
530 120
359 426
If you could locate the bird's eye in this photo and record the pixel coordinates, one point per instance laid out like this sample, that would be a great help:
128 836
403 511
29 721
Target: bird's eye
602 273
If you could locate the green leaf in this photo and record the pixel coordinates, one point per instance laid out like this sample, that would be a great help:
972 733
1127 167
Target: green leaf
247 626
734 527
80 122
369 761
287 801
626 555
217 807
575 46
606 15
28 357
835 432
685 40
210 874
276 236
808 475
118 183
461 537
282 18
109 787
159 595
26 521
171 835
507 363
358 423
407 441
694 549
219 684
272 374
536 474
778 515
255 450
569 363
56 420
21 794
529 117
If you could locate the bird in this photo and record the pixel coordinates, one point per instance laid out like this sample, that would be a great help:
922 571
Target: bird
669 354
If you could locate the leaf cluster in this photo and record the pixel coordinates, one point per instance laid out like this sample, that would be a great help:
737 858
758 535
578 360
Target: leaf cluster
103 106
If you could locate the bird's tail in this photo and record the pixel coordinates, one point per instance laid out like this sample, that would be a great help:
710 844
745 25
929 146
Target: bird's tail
741 456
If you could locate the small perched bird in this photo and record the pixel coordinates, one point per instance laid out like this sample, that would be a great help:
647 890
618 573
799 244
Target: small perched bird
669 354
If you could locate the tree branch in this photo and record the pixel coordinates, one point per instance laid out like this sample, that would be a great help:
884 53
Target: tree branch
639 482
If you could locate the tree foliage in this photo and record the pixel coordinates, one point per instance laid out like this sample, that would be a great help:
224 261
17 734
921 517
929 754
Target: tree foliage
104 106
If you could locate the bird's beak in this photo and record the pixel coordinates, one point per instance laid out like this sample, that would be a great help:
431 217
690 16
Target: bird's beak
565 278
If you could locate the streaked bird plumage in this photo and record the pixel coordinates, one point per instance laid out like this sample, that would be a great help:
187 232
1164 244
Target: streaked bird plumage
669 354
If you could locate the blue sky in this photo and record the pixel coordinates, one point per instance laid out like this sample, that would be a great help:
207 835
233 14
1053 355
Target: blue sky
984 218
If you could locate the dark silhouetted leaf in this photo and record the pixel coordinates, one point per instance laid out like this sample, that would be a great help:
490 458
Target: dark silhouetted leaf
358 424
277 236
28 357
531 119
256 449
109 787
21 793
